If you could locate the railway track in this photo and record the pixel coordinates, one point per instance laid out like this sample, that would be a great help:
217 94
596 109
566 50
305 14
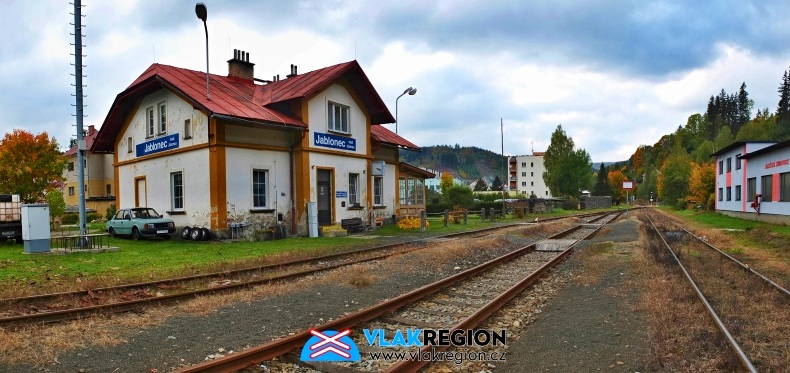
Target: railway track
459 302
64 306
749 309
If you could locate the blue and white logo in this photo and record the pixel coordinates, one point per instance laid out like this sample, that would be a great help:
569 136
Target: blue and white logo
330 345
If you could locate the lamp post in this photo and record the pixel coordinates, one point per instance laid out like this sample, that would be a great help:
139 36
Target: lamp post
411 91
202 13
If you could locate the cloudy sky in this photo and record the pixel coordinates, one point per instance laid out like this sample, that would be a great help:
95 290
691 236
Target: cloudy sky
615 74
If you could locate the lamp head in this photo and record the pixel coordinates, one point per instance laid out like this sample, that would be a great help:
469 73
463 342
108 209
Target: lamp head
201 11
407 90
412 91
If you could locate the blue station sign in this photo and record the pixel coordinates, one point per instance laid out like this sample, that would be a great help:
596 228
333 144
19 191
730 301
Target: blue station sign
335 142
157 145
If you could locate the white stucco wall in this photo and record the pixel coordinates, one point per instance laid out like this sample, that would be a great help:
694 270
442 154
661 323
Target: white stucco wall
178 111
240 164
534 169
317 114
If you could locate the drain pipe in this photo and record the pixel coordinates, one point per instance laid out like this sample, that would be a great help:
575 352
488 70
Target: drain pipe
292 180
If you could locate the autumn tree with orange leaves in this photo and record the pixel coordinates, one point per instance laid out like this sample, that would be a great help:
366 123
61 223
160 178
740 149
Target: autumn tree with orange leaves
702 182
30 165
616 179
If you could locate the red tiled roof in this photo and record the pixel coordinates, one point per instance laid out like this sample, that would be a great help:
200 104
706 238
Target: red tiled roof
89 139
239 98
307 84
383 135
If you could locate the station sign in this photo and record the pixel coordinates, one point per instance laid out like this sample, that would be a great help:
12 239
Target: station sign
341 194
157 145
335 142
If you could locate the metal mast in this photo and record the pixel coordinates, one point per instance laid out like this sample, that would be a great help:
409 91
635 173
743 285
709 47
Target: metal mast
79 95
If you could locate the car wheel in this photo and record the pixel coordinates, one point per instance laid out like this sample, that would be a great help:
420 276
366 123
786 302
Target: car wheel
197 234
111 232
206 234
186 233
136 234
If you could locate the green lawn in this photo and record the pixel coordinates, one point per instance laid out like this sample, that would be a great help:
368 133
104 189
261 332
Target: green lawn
717 220
138 261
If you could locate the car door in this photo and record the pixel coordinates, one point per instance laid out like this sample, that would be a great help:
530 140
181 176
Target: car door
124 223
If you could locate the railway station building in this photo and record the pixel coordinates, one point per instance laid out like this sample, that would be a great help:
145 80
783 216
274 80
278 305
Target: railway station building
753 181
252 149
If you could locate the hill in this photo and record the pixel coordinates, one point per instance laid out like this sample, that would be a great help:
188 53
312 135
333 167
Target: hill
466 163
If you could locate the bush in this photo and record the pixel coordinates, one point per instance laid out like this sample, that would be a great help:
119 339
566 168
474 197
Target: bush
111 210
91 216
71 218
570 203
711 202
680 204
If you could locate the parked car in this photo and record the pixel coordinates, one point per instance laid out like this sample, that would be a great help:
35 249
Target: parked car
140 222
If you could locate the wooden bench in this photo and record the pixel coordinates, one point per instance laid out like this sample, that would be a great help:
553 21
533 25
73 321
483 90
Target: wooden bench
353 225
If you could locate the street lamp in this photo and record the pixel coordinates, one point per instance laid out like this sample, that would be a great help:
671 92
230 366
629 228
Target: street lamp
202 13
411 91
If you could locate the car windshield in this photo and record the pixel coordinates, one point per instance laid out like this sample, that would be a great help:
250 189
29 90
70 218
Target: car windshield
145 214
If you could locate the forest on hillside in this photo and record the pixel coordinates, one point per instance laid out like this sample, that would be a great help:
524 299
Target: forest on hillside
678 168
464 162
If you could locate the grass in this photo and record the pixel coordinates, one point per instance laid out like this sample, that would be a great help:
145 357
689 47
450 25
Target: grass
22 274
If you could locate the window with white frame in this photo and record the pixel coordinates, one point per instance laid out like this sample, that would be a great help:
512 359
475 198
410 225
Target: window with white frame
523 174
259 192
177 191
738 161
150 124
71 190
751 188
353 189
338 117
162 118
402 189
523 164
378 190
129 144
737 192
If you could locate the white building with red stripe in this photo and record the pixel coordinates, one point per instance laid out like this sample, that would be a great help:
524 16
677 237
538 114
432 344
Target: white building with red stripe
753 180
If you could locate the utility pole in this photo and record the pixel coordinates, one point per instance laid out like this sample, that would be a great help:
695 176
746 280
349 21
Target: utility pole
79 95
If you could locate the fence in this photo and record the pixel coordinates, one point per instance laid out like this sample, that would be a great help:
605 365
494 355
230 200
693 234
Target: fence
80 243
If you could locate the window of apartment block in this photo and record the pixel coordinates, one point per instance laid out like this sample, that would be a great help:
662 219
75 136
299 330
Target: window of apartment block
784 187
523 183
523 164
177 191
71 191
378 190
738 161
187 128
353 189
338 117
150 122
721 194
162 118
71 166
531 183
259 192
129 144
729 164
524 173
532 174
531 164
766 188
721 167
737 192
729 193
751 189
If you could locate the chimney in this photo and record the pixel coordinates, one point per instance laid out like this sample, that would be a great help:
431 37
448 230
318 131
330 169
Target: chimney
240 67
91 130
293 71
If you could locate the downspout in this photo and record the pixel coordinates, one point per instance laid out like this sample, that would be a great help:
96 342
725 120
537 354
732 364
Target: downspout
292 173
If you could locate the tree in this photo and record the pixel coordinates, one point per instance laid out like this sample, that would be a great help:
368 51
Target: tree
57 206
446 181
616 179
567 170
497 184
481 185
673 181
783 108
29 165
602 183
702 182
